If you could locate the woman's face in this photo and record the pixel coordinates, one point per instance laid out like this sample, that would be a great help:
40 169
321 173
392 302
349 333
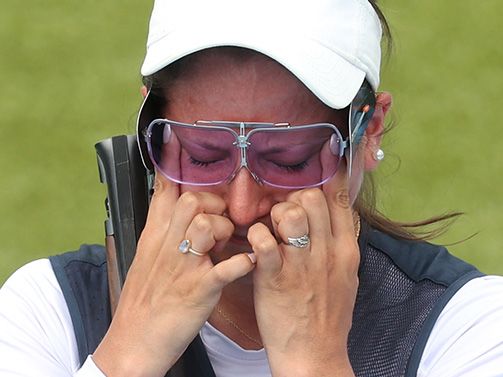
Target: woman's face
217 86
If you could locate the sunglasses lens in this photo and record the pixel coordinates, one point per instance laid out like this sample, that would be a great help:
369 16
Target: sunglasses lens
295 157
193 155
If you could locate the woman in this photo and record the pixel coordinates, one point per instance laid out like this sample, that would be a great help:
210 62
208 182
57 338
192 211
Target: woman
260 256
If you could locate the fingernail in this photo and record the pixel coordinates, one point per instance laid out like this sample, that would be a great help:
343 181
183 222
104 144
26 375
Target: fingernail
253 257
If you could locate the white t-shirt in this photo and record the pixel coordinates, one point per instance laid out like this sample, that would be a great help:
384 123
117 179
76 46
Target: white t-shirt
37 338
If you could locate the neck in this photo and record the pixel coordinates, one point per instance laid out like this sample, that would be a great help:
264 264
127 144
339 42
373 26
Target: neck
234 314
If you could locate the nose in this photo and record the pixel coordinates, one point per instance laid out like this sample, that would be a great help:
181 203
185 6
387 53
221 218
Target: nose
247 200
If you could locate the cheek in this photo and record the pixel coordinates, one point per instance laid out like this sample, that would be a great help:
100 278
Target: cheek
213 189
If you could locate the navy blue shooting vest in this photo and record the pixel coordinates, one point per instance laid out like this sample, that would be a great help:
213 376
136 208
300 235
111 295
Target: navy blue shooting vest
403 288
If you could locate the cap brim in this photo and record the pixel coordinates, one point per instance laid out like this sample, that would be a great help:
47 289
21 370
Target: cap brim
333 79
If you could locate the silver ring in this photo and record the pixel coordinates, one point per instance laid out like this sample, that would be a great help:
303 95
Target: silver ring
299 242
185 247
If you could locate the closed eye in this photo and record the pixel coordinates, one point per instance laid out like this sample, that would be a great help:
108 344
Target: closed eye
197 162
292 167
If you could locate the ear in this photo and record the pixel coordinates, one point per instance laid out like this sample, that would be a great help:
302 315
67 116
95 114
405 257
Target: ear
144 91
375 129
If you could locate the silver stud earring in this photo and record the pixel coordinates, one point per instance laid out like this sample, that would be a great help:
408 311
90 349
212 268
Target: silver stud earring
379 155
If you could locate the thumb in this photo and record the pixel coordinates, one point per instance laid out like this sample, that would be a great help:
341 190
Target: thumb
267 251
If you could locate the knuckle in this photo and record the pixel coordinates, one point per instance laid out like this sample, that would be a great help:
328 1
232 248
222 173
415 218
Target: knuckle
278 209
201 223
342 198
264 245
313 197
294 214
227 228
255 232
190 202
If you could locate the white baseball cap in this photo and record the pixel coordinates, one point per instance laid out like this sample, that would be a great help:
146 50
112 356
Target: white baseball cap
329 45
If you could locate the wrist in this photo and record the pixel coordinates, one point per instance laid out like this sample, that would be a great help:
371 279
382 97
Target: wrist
316 365
118 357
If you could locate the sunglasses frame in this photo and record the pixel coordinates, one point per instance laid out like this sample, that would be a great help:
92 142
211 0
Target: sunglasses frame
246 130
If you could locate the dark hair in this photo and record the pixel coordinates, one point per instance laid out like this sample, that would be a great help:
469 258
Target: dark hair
366 203
388 38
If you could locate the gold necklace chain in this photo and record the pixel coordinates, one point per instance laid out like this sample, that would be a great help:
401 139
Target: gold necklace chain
229 320
357 225
234 324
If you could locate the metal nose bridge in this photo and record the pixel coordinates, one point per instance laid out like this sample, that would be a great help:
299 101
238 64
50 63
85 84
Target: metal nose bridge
242 143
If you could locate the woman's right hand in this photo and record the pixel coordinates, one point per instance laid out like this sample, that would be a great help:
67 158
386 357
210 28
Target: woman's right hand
168 295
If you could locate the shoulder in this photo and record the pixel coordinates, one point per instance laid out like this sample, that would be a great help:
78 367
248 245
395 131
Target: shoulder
34 320
81 273
34 283
83 279
467 338
421 260
46 308
94 255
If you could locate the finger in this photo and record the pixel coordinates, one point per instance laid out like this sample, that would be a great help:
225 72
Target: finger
171 151
206 230
341 215
315 205
161 207
227 271
188 206
290 221
266 249
163 202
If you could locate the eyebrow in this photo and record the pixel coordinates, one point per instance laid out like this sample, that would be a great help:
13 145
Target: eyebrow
307 147
203 144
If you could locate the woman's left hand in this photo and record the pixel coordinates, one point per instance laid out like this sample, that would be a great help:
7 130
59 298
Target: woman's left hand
304 297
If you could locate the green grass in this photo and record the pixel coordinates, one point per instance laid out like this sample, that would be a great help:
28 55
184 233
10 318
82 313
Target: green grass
446 75
69 74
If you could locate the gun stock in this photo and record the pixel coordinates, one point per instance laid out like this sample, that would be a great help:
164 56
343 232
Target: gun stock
128 193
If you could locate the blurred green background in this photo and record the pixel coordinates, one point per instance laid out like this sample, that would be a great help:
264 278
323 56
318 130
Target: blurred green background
69 75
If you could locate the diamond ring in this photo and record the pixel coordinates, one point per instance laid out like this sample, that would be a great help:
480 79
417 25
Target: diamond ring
185 247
